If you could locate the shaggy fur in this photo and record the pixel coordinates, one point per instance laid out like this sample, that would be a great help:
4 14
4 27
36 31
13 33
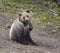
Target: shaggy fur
21 28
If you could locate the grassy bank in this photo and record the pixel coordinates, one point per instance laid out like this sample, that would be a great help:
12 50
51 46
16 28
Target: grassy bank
39 8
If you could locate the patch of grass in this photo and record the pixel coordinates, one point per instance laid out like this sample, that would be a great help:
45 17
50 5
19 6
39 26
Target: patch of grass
44 18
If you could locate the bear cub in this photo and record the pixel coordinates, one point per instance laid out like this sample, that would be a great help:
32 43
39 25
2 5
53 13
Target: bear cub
21 28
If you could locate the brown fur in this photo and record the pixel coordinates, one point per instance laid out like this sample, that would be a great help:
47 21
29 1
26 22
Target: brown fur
21 28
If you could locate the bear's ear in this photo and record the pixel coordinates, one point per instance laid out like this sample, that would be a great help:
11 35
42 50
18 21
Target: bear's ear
28 11
19 14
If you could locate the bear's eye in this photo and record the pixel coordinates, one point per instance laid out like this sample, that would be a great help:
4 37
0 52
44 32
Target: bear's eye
23 17
27 16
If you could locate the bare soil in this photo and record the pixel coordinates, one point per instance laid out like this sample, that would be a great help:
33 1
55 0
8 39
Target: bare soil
48 41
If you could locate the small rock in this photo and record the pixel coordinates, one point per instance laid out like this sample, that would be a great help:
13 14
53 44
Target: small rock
50 11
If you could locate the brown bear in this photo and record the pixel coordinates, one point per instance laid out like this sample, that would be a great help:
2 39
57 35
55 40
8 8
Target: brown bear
21 28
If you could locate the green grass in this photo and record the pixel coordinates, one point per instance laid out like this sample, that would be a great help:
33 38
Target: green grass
43 16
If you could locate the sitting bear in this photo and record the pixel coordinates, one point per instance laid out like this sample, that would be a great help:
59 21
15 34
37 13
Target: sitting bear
21 28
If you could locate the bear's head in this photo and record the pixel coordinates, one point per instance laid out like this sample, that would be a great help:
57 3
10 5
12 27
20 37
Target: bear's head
25 17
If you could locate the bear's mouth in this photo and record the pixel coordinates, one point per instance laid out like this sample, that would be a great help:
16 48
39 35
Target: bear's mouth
26 22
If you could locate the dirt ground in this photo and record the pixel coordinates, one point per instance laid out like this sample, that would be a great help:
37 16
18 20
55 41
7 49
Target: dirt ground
48 41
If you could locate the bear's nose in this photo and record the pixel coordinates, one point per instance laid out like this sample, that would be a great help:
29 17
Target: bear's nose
27 20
